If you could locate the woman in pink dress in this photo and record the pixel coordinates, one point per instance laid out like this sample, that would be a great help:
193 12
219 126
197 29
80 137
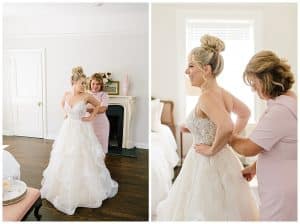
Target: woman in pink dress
274 139
101 123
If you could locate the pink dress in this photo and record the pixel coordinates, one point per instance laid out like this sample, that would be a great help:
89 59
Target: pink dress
276 169
101 122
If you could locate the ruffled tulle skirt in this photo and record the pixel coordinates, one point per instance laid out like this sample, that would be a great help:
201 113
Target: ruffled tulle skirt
76 175
209 189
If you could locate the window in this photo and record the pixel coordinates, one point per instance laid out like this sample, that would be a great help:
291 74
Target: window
239 47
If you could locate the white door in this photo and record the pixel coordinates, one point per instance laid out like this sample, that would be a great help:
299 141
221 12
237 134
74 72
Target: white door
26 69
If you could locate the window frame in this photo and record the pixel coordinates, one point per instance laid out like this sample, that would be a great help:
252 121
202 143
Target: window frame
237 14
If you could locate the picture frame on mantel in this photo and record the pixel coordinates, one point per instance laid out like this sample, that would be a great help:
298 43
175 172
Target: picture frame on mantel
112 88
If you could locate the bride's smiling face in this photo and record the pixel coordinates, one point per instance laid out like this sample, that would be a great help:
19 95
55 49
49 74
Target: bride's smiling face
195 72
80 85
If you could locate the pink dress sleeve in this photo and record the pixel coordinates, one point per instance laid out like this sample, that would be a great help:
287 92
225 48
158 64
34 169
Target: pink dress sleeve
104 99
101 123
271 128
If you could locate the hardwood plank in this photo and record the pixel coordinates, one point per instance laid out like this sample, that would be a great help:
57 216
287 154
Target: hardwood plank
130 204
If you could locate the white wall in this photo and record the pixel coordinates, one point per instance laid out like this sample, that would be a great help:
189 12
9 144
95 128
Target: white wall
277 30
111 38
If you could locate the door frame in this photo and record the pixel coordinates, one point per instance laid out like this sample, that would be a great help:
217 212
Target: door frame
12 81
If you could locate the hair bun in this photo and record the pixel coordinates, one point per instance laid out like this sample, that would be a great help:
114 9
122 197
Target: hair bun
77 70
212 43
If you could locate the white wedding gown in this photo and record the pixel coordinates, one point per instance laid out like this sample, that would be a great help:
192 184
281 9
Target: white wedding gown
76 175
208 188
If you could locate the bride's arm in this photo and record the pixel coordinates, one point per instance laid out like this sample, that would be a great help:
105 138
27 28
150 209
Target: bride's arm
102 109
62 103
243 114
92 100
217 113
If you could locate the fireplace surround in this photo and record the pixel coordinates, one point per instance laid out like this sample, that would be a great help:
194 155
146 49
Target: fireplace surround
121 108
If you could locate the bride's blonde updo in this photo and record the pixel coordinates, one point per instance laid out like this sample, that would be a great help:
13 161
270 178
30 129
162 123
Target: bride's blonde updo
209 53
77 73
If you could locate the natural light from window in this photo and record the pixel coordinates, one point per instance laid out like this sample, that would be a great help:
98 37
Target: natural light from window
239 47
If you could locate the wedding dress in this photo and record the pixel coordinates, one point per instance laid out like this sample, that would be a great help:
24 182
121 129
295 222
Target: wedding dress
76 175
208 188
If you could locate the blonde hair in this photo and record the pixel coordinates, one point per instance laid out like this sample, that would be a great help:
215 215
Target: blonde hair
273 73
98 78
77 73
209 53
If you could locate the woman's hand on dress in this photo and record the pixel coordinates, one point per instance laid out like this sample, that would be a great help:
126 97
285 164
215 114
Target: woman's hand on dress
249 172
65 116
89 118
203 149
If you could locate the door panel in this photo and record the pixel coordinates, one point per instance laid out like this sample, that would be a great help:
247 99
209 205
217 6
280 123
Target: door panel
26 68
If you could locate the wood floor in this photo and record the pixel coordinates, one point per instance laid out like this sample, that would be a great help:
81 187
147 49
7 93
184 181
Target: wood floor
130 204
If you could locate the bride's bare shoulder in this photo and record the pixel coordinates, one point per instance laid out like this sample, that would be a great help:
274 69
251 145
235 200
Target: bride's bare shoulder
67 94
226 93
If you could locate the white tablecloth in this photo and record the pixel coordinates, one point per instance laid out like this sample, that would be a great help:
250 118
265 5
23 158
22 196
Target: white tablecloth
11 167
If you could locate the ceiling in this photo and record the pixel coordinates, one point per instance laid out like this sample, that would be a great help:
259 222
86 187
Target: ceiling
72 9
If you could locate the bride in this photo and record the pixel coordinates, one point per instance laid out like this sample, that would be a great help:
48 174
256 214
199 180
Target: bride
76 175
210 185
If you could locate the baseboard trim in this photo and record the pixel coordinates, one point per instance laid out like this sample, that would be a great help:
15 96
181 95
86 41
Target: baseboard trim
8 132
141 145
50 137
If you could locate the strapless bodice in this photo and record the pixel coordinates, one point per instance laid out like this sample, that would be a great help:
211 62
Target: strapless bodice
203 130
77 111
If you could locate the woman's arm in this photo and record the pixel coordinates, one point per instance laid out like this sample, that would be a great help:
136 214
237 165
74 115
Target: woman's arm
217 113
243 114
100 111
92 100
244 146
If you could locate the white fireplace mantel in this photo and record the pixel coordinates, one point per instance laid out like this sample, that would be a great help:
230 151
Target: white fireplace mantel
128 103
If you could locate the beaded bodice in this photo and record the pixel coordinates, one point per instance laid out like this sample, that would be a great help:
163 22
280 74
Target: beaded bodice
77 111
203 130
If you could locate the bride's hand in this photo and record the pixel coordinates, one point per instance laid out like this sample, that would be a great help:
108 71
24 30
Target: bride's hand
232 138
203 149
90 110
183 128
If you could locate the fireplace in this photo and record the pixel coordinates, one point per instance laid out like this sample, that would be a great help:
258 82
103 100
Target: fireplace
120 113
115 114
